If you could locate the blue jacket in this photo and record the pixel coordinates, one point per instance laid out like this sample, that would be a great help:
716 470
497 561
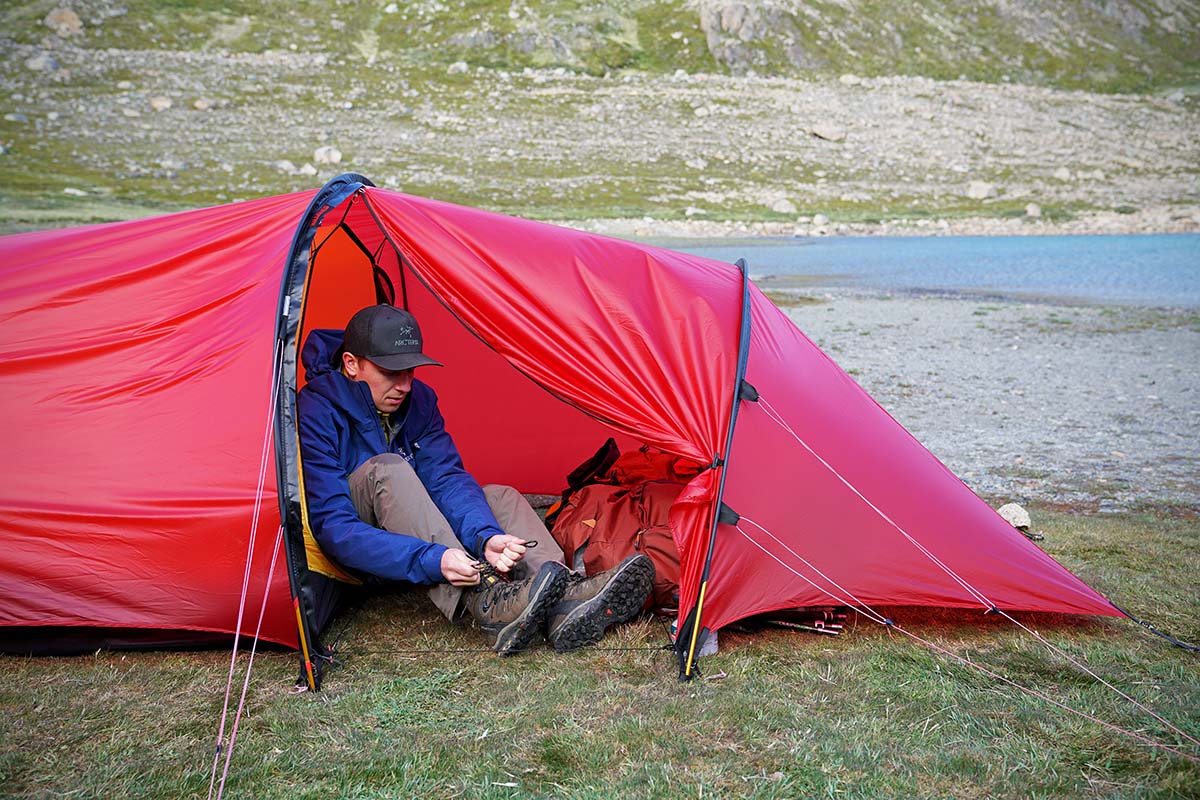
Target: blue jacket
339 430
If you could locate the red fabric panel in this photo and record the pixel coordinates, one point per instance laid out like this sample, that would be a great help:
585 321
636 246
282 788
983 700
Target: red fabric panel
640 337
779 484
134 388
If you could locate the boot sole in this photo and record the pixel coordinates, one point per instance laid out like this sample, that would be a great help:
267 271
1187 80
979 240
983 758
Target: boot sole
620 601
520 633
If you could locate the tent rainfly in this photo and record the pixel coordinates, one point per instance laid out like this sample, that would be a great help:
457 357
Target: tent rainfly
149 372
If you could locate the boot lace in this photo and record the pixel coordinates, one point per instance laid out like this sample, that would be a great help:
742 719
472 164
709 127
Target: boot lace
504 592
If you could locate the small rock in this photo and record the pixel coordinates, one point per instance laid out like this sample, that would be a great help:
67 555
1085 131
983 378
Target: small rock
830 133
160 103
1062 174
307 169
702 111
42 62
391 8
54 116
692 211
457 68
3 150
1033 211
327 154
783 206
131 112
980 190
73 192
820 220
202 104
850 80
285 166
16 116
64 22
124 85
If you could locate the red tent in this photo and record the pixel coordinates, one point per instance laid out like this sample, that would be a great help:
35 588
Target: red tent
141 416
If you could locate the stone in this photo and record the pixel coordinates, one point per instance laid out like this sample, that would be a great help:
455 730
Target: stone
327 154
1062 174
307 169
850 80
42 62
73 192
457 68
820 220
981 190
783 206
1033 211
828 132
160 103
64 22
202 104
285 166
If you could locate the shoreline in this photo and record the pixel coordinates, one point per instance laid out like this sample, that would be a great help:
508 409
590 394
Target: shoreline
1164 220
1044 403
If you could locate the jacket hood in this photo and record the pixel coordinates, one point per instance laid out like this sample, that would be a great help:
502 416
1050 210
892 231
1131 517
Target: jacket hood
320 353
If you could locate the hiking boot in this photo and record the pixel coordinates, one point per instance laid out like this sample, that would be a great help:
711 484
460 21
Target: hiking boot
515 611
590 605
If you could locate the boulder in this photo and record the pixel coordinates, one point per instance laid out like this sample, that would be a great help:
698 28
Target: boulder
42 62
64 22
828 132
783 206
981 190
327 154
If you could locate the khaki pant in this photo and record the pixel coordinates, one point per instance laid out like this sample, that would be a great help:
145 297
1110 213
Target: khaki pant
388 494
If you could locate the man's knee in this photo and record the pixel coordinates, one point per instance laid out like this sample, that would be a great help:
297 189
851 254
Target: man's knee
498 493
384 467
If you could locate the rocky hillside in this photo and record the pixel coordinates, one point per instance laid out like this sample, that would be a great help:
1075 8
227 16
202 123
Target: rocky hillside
791 116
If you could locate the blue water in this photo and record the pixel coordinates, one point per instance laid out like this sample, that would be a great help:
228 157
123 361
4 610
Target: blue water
1154 270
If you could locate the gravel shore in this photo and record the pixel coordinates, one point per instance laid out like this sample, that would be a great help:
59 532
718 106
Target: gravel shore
1086 407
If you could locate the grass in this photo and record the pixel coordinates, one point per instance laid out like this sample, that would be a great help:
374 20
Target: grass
420 708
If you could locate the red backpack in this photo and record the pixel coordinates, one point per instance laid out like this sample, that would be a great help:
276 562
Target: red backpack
624 510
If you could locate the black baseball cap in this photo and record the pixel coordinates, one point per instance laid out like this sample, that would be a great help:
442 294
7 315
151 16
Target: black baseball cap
388 337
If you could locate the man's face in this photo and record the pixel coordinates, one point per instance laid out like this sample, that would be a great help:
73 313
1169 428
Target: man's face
388 388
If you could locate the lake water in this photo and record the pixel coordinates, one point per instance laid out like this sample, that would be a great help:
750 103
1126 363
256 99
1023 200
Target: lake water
1154 270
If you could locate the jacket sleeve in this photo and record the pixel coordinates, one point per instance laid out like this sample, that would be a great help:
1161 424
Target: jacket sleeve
336 525
455 492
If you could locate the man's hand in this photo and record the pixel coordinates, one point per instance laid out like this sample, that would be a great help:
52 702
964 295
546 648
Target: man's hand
459 568
504 551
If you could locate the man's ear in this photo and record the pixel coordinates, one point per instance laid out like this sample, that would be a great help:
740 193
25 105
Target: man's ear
350 365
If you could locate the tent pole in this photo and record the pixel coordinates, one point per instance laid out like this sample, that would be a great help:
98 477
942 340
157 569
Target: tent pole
688 663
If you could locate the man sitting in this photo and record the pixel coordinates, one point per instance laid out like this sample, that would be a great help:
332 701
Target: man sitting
388 496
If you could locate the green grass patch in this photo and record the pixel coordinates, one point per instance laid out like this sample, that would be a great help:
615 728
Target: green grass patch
422 708
785 299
